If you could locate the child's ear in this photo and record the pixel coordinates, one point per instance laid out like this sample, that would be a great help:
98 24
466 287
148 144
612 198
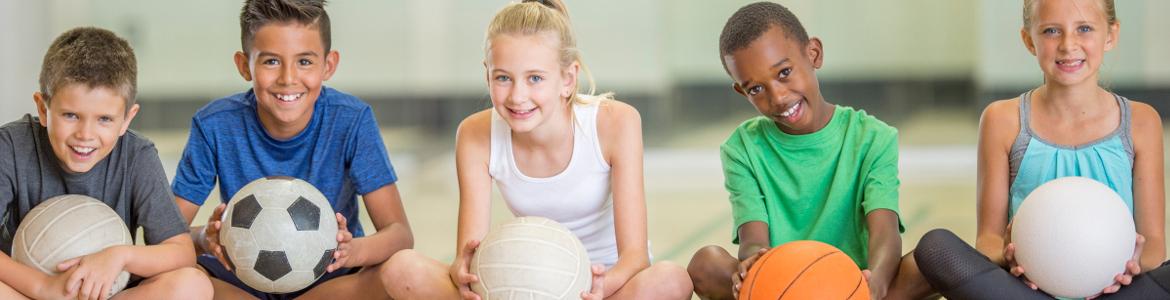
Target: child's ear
570 86
42 108
242 65
331 60
1028 42
815 52
133 111
1113 36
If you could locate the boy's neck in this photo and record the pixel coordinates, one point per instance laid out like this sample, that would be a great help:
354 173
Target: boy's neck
284 130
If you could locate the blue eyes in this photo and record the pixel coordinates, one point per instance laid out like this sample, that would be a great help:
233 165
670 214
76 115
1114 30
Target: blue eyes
1080 29
534 79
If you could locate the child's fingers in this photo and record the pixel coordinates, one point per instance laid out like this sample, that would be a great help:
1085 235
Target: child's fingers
68 264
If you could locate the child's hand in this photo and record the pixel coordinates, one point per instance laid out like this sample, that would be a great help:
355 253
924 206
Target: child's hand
1009 255
211 236
597 289
744 266
94 274
461 271
341 256
1132 268
877 286
56 287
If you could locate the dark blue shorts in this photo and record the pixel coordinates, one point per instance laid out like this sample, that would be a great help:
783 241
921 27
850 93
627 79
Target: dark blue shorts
217 271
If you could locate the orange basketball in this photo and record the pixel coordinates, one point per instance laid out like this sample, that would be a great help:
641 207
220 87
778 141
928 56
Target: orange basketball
804 270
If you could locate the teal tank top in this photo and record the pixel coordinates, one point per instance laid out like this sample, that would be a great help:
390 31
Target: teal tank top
1034 161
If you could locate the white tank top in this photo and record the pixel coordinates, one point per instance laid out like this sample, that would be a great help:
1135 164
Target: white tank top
578 197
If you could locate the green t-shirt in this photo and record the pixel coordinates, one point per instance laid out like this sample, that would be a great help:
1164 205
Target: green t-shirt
816 186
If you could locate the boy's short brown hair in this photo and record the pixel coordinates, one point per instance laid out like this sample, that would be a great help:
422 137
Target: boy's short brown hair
91 56
257 13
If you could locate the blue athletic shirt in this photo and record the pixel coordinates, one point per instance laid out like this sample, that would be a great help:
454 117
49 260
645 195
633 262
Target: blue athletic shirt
340 152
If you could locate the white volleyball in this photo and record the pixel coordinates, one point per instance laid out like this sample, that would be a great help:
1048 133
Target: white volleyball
1072 236
66 227
279 233
531 258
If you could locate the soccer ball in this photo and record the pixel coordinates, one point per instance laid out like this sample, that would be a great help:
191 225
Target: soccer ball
279 234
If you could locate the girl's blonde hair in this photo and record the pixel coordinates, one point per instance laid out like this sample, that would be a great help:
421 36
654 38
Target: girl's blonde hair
1106 5
545 16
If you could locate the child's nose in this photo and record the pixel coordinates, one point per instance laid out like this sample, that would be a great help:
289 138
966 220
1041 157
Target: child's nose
288 74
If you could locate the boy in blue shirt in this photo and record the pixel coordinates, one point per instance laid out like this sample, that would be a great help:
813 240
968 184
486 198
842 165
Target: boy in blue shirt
288 124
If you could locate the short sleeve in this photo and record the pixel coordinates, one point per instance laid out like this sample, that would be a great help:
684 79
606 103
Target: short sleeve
196 174
747 199
880 186
7 171
154 206
369 163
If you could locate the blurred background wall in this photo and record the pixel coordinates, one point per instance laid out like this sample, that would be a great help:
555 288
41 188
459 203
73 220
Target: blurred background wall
418 62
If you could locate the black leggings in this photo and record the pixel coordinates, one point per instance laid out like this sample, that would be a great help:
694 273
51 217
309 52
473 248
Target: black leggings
958 271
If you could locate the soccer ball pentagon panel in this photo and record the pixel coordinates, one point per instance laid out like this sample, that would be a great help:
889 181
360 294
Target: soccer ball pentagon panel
279 234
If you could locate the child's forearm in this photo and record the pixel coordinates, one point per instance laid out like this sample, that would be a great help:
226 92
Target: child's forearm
885 245
378 247
146 261
23 279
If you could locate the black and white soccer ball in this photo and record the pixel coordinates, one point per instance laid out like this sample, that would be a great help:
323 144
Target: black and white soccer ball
279 234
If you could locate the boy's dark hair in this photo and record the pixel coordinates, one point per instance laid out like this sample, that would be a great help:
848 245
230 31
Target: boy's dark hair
751 21
257 13
91 56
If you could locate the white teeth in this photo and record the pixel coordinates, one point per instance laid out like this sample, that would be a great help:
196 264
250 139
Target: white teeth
790 110
288 98
523 111
83 150
1070 62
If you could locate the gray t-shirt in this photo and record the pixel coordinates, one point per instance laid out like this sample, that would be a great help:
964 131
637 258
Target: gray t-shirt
130 180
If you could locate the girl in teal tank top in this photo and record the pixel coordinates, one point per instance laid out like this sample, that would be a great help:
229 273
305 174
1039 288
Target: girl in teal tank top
1034 160
1069 126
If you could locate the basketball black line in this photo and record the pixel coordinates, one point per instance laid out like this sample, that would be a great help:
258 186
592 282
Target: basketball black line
794 279
767 256
858 287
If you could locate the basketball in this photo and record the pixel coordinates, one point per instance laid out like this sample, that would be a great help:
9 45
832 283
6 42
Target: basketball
66 227
1072 235
804 270
279 234
531 258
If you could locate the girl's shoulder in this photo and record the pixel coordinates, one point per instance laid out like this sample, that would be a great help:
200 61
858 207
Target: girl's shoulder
477 126
1144 120
1000 121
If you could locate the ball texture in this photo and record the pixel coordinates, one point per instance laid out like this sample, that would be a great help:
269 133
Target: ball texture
531 258
279 234
1072 236
804 270
66 227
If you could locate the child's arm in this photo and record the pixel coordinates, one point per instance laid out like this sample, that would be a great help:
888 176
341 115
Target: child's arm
620 134
385 208
997 129
472 150
885 248
880 204
31 282
94 273
1149 192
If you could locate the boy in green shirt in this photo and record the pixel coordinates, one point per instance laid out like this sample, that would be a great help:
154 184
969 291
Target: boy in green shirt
806 169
